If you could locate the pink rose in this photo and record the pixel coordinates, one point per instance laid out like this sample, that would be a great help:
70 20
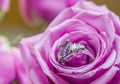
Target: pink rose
34 11
80 46
11 65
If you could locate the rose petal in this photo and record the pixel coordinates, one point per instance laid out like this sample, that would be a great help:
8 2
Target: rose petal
116 21
102 23
20 68
107 77
117 48
45 68
36 74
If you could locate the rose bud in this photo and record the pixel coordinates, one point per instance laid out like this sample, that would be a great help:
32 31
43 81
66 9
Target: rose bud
80 46
36 12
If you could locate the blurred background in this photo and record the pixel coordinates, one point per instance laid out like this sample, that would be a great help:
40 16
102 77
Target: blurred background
14 27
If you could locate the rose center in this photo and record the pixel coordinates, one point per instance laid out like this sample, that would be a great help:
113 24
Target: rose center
74 54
